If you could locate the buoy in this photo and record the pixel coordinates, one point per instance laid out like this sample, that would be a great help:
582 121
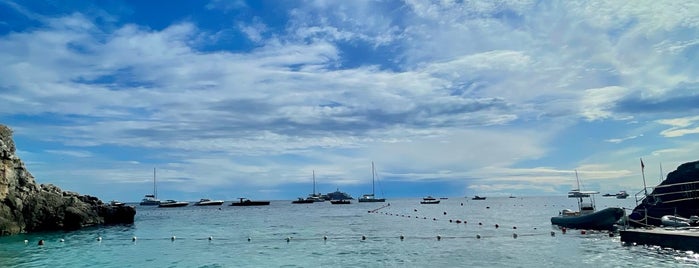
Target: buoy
99 238
445 213
514 227
402 237
133 239
434 219
415 209
41 242
439 237
480 223
173 238
553 233
478 236
462 204
497 226
61 240
26 241
487 207
325 237
449 220
363 237
582 232
514 235
458 221
288 238
563 230
211 238
249 239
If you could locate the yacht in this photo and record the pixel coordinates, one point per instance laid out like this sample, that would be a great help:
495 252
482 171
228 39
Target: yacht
429 200
172 203
208 202
151 199
371 197
337 195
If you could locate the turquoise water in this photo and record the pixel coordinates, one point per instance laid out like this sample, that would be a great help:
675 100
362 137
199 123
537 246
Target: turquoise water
268 228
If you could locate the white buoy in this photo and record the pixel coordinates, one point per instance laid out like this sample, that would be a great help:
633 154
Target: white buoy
61 240
402 237
288 238
249 239
99 238
211 238
325 237
133 239
26 241
173 238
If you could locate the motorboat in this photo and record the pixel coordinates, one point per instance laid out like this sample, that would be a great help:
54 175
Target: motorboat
172 203
303 201
478 198
340 202
622 195
116 203
367 198
587 217
244 202
429 200
208 202
337 195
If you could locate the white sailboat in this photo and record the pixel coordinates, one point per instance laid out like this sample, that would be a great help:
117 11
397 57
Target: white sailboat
151 199
371 197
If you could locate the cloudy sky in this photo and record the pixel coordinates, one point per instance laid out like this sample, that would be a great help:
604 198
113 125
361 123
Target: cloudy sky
448 98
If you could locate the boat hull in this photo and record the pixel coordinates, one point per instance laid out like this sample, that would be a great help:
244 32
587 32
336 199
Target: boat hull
340 202
173 205
430 202
250 203
371 200
600 220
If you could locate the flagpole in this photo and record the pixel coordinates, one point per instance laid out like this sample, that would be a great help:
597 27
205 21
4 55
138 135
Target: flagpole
645 189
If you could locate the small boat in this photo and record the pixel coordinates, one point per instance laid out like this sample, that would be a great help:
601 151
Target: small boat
151 199
340 202
429 200
247 202
443 198
370 197
478 198
676 221
303 201
116 203
208 202
512 196
622 195
587 217
608 195
172 203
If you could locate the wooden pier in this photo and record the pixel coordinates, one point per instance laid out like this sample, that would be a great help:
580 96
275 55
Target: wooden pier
676 238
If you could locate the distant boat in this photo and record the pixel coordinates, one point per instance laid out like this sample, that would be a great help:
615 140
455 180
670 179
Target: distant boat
429 200
208 202
303 201
371 197
172 203
622 195
337 195
478 198
312 198
512 196
151 199
586 217
116 203
247 202
340 202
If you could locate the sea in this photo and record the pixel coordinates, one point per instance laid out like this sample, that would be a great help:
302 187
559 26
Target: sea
458 232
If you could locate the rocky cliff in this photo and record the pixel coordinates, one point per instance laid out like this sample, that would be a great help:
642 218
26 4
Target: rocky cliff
28 207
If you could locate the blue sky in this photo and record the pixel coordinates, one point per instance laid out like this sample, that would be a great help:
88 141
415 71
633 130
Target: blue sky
449 98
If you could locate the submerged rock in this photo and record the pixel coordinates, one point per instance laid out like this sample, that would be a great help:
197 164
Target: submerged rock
28 207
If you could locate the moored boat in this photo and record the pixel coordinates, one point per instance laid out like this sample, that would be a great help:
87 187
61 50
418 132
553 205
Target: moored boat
371 197
587 217
337 195
247 202
340 202
429 200
151 199
172 203
622 195
478 198
208 202
302 201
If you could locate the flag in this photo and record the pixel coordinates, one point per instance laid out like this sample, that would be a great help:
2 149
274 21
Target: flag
642 165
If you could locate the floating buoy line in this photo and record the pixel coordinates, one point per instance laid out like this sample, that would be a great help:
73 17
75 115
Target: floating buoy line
359 237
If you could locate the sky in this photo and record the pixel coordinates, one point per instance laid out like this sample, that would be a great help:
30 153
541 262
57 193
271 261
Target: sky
228 99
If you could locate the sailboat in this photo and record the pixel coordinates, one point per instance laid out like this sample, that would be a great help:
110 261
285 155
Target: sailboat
312 198
151 199
371 197
586 217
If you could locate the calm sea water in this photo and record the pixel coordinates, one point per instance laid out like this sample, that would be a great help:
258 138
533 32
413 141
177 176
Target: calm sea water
268 228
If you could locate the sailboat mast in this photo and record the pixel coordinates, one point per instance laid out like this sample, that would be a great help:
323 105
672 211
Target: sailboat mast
372 177
155 189
314 182
661 172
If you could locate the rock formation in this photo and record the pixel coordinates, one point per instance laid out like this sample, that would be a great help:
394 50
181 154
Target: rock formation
28 207
677 195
